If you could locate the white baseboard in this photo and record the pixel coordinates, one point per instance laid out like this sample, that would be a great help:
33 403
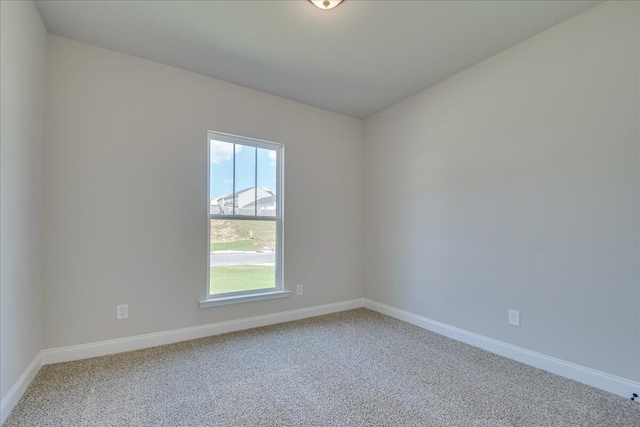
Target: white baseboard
598 379
15 393
102 348
601 380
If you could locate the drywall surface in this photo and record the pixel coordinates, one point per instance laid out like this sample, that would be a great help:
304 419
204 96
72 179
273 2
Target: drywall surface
126 199
22 76
515 185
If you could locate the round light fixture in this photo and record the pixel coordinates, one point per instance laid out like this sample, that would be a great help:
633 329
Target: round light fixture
326 4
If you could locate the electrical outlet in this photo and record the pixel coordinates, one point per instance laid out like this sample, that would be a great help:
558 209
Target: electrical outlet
514 317
299 290
122 312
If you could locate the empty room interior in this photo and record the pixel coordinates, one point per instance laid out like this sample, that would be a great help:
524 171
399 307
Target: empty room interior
320 213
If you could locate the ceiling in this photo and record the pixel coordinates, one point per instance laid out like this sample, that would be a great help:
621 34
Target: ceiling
356 59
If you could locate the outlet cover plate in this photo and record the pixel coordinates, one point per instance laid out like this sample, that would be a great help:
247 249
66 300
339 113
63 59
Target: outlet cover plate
514 317
122 311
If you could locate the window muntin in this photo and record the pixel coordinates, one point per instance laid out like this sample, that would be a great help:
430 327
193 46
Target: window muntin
245 215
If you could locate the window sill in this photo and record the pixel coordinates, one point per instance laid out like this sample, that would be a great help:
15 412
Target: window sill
236 299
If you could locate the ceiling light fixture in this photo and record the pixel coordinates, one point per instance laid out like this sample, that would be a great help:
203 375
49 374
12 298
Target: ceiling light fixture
326 4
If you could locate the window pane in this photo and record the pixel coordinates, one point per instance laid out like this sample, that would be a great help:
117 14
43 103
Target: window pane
242 255
245 180
221 177
266 203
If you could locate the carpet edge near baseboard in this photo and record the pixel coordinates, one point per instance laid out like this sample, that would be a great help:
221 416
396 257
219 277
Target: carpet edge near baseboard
598 379
138 342
10 400
594 378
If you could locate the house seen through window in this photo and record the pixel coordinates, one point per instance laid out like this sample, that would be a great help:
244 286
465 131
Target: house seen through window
245 215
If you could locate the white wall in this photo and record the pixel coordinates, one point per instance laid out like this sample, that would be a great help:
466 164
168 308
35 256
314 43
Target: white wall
125 194
511 185
22 76
515 184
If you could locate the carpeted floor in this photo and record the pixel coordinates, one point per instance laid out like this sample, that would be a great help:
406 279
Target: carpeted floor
355 368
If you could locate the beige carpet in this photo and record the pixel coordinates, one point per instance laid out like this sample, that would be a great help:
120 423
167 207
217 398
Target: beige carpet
356 368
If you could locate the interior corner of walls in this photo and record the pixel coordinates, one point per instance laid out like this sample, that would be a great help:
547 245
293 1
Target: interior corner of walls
14 394
24 58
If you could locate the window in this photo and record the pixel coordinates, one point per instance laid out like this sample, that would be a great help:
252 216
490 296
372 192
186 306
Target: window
245 219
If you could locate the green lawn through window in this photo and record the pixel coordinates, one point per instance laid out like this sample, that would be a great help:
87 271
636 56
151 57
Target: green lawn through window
241 278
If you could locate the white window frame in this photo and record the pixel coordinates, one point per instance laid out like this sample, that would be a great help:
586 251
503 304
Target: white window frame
258 294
